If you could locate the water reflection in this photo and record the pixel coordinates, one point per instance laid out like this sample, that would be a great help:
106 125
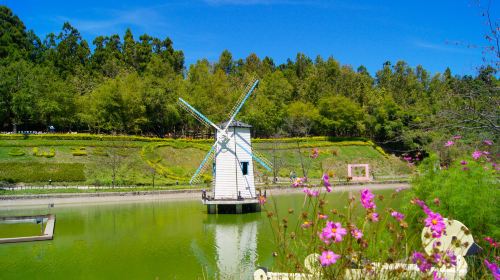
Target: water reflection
235 244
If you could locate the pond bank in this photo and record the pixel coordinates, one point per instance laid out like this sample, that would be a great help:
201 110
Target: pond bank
74 199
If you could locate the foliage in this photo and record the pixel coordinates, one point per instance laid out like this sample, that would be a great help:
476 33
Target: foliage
129 85
469 195
41 172
16 152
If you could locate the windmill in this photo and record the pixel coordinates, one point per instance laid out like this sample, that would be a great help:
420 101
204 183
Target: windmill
233 183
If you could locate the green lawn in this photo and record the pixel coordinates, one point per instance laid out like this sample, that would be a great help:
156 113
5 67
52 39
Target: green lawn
135 162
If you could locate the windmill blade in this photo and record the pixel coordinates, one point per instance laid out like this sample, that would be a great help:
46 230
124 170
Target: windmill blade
257 159
199 116
204 165
236 109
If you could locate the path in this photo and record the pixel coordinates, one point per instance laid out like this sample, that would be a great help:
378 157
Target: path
43 201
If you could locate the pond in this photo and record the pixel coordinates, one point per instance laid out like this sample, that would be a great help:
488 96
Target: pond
148 240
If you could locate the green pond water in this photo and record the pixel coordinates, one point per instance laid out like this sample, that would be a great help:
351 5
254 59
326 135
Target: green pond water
148 240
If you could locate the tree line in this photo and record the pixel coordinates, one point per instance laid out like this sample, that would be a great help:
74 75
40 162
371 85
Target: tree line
130 85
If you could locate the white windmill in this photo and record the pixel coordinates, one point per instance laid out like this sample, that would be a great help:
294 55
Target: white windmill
233 176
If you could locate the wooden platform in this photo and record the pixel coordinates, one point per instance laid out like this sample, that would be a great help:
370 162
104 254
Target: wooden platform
231 206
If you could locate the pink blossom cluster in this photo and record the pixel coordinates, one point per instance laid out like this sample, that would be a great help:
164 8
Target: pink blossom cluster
333 231
398 216
299 182
326 182
310 193
367 199
328 258
492 242
493 267
425 263
434 221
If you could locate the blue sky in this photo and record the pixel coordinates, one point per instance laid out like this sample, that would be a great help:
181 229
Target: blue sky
435 34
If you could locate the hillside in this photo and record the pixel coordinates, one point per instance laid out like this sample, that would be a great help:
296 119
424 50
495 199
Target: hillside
84 159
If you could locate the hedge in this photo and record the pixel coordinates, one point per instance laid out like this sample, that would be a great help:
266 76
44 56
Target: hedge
41 172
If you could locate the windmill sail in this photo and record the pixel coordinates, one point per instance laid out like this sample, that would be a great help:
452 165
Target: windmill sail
203 166
236 109
199 116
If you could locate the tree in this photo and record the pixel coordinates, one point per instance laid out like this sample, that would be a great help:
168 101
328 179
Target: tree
301 118
14 41
341 116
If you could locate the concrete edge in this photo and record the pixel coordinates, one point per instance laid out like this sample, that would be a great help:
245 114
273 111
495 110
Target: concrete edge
48 233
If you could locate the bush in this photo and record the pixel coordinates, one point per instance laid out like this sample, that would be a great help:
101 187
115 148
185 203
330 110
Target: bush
41 172
16 152
78 152
468 193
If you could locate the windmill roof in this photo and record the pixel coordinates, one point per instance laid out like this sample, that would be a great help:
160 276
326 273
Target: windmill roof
234 123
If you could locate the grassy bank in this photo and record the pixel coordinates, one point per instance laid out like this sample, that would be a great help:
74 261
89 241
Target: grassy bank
84 159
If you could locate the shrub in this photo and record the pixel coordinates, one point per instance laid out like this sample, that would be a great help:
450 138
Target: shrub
41 172
78 152
16 152
467 192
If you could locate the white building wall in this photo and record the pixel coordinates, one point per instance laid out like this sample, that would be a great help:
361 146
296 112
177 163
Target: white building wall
229 178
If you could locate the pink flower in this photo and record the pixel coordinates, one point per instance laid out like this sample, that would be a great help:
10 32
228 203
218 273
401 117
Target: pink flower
328 258
463 162
493 267
334 231
299 182
398 216
324 239
356 233
421 261
450 259
326 182
407 158
262 200
367 199
492 242
422 205
306 224
465 168
373 217
488 142
457 137
399 189
315 153
435 222
322 217
449 143
309 192
477 154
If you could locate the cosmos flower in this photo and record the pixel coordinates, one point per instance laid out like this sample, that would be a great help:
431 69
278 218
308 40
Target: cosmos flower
326 182
457 137
373 217
328 258
262 200
436 277
367 199
306 224
309 192
449 143
398 216
299 182
356 233
435 222
421 261
488 142
493 267
322 217
491 241
334 231
463 162
477 154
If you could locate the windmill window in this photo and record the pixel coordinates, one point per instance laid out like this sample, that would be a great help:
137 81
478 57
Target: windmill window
244 167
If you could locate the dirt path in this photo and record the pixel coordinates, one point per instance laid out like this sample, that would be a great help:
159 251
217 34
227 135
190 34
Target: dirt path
101 198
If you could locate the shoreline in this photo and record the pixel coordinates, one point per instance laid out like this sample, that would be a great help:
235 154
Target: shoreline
81 199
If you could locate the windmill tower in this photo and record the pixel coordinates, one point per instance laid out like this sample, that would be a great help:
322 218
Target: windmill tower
233 186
